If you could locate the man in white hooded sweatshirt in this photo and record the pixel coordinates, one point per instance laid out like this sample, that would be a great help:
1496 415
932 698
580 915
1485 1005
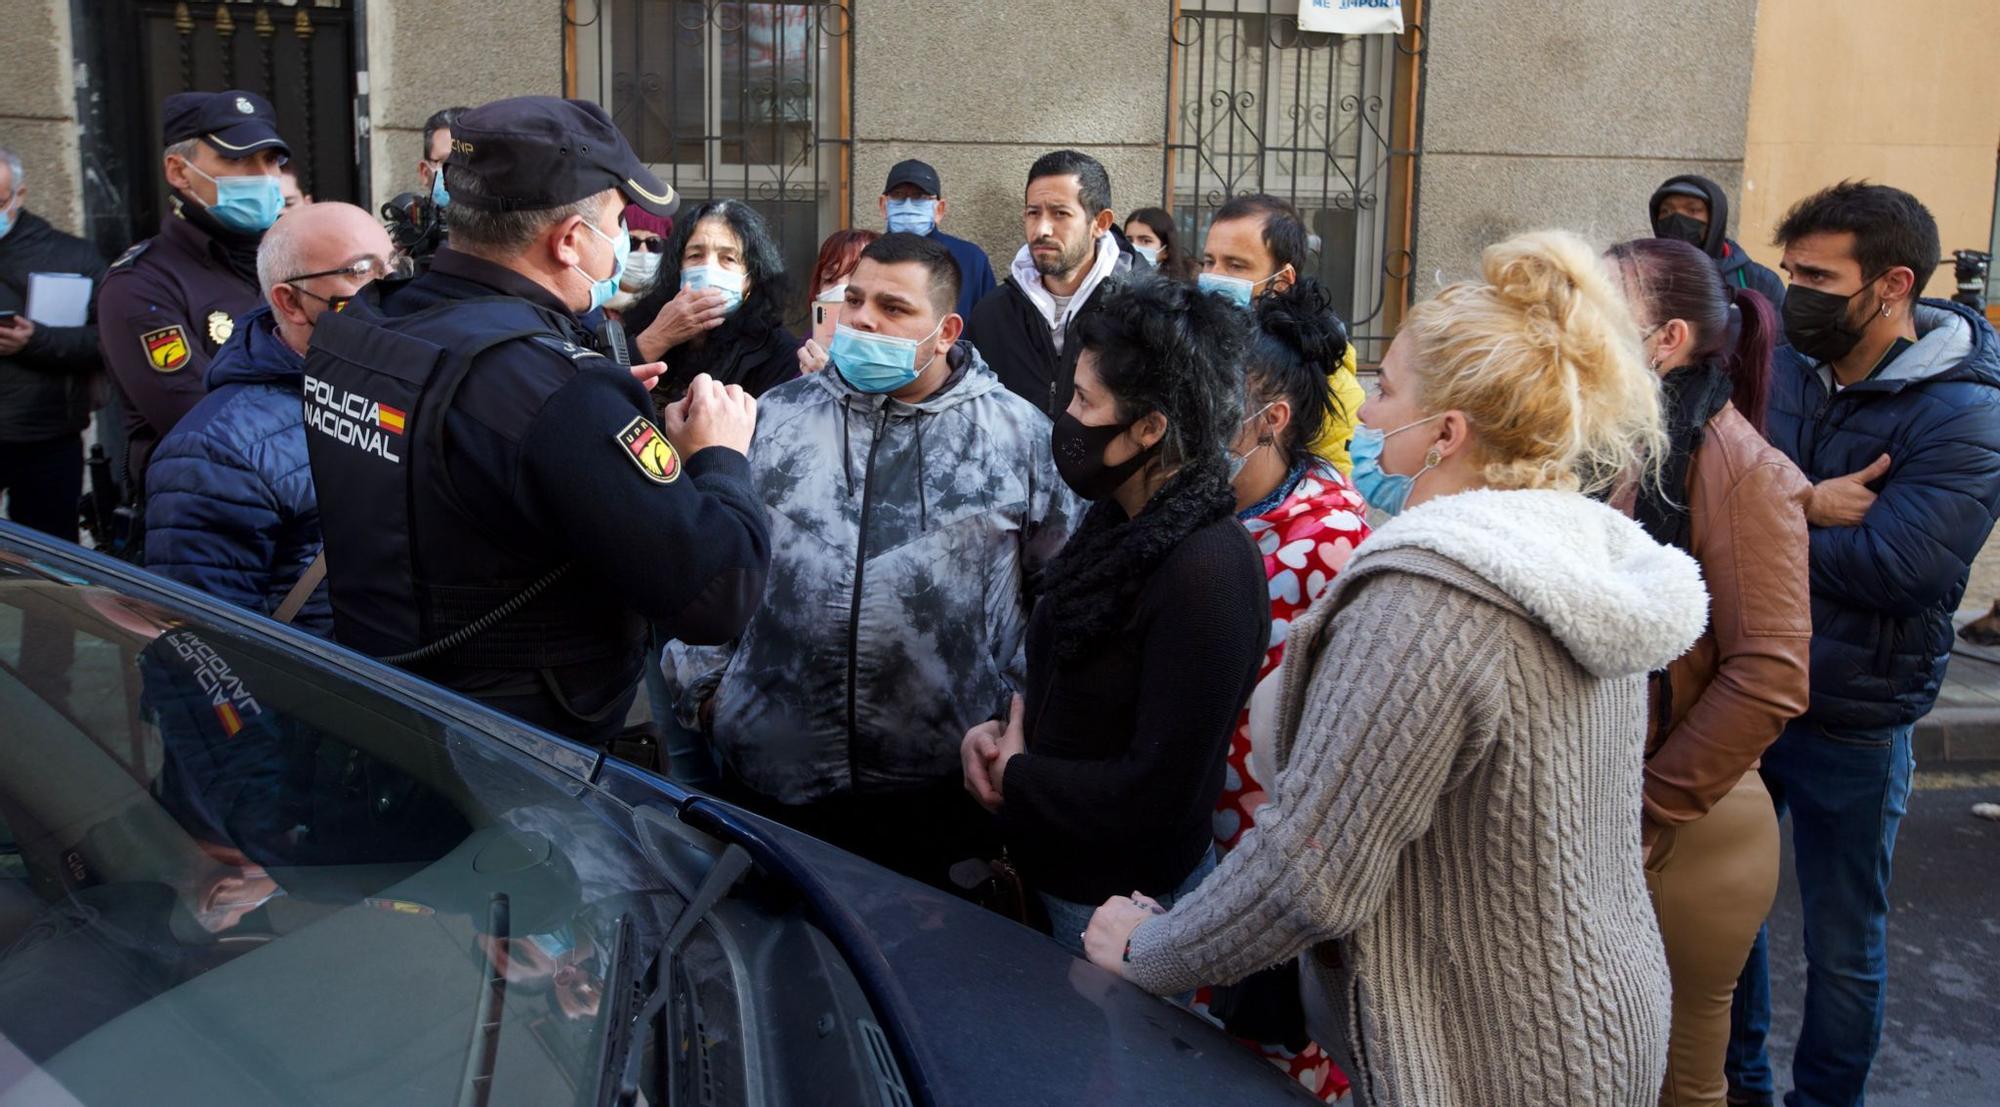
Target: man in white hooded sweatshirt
1022 328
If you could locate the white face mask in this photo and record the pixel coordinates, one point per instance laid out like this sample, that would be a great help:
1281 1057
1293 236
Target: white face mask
640 268
833 294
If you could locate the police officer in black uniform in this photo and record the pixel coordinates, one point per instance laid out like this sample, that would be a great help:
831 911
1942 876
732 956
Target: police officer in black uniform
501 512
171 301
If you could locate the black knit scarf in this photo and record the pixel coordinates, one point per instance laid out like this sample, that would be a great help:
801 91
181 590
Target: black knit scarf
1094 583
1690 397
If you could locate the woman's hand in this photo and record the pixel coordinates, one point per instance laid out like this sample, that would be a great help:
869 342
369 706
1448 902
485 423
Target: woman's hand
1111 929
985 753
812 357
691 313
981 745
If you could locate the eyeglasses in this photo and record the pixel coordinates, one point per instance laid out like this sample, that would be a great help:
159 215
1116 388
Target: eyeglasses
397 267
368 269
650 245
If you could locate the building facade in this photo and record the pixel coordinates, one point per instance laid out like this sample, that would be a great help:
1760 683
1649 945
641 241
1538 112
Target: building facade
1405 153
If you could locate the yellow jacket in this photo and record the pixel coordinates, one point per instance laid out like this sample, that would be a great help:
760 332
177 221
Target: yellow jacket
1342 414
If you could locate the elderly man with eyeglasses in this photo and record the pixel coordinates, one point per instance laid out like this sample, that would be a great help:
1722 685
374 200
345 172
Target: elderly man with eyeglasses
230 507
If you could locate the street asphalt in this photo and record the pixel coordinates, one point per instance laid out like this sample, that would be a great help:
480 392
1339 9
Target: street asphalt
1941 1043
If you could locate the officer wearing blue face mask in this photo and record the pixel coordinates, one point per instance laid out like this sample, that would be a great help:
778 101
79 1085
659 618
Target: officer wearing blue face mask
501 512
171 301
913 203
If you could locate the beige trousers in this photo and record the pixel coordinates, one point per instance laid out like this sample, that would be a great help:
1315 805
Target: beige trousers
1712 882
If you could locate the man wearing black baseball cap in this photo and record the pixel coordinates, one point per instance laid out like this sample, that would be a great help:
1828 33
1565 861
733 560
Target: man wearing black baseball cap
501 512
170 302
913 202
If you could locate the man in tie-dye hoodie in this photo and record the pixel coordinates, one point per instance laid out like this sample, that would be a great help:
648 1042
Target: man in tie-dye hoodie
912 499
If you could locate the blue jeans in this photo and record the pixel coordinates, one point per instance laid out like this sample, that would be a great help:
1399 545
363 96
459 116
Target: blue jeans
1845 795
1068 921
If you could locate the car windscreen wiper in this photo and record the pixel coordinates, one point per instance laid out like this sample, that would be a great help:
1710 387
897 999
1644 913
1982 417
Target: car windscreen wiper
728 869
477 1082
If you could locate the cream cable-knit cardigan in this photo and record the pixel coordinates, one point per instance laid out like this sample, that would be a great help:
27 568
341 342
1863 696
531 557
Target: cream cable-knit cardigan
1453 842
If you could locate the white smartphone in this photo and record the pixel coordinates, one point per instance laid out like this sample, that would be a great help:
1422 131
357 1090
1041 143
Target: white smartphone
825 317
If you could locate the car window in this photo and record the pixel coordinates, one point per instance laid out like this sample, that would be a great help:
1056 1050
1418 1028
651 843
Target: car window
225 863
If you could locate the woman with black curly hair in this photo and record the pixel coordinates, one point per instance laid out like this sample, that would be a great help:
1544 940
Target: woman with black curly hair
717 306
1152 621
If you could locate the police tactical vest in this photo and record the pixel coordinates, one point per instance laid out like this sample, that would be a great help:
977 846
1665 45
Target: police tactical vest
376 392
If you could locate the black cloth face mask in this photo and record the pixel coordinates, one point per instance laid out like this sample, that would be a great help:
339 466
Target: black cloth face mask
1816 322
1079 456
1682 228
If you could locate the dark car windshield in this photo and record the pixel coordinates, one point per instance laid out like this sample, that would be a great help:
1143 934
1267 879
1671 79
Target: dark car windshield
230 869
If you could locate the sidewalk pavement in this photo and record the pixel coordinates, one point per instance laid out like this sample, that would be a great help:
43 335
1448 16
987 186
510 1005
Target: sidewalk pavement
1965 724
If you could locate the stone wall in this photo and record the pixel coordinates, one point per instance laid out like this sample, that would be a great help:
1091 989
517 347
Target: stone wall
1569 115
38 106
982 93
424 55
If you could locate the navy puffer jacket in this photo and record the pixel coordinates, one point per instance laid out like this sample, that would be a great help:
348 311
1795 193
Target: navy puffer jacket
1883 592
229 495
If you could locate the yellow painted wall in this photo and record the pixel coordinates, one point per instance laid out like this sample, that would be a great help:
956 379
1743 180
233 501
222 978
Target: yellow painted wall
1901 92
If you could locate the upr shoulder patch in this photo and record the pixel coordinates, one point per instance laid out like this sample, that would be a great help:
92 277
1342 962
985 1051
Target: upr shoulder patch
166 348
650 450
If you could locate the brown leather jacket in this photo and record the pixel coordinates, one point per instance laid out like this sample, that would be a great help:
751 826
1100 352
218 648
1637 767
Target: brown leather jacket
1728 698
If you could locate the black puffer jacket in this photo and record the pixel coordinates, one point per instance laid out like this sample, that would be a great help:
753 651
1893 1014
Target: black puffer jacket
45 390
1884 590
1737 270
1012 333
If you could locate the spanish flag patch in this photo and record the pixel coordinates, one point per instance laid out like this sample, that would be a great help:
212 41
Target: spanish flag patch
650 450
166 348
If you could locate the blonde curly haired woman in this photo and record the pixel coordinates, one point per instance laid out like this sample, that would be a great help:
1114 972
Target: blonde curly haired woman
1457 731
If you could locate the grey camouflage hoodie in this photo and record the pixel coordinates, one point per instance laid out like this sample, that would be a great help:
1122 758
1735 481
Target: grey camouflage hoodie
903 537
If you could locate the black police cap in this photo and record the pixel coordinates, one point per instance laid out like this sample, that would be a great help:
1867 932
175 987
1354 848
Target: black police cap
534 152
914 172
236 123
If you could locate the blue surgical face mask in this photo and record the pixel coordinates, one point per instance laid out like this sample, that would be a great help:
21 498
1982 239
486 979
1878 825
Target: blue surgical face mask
912 216
556 944
877 362
248 204
1238 461
1150 253
1388 493
440 199
726 281
601 291
1236 288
